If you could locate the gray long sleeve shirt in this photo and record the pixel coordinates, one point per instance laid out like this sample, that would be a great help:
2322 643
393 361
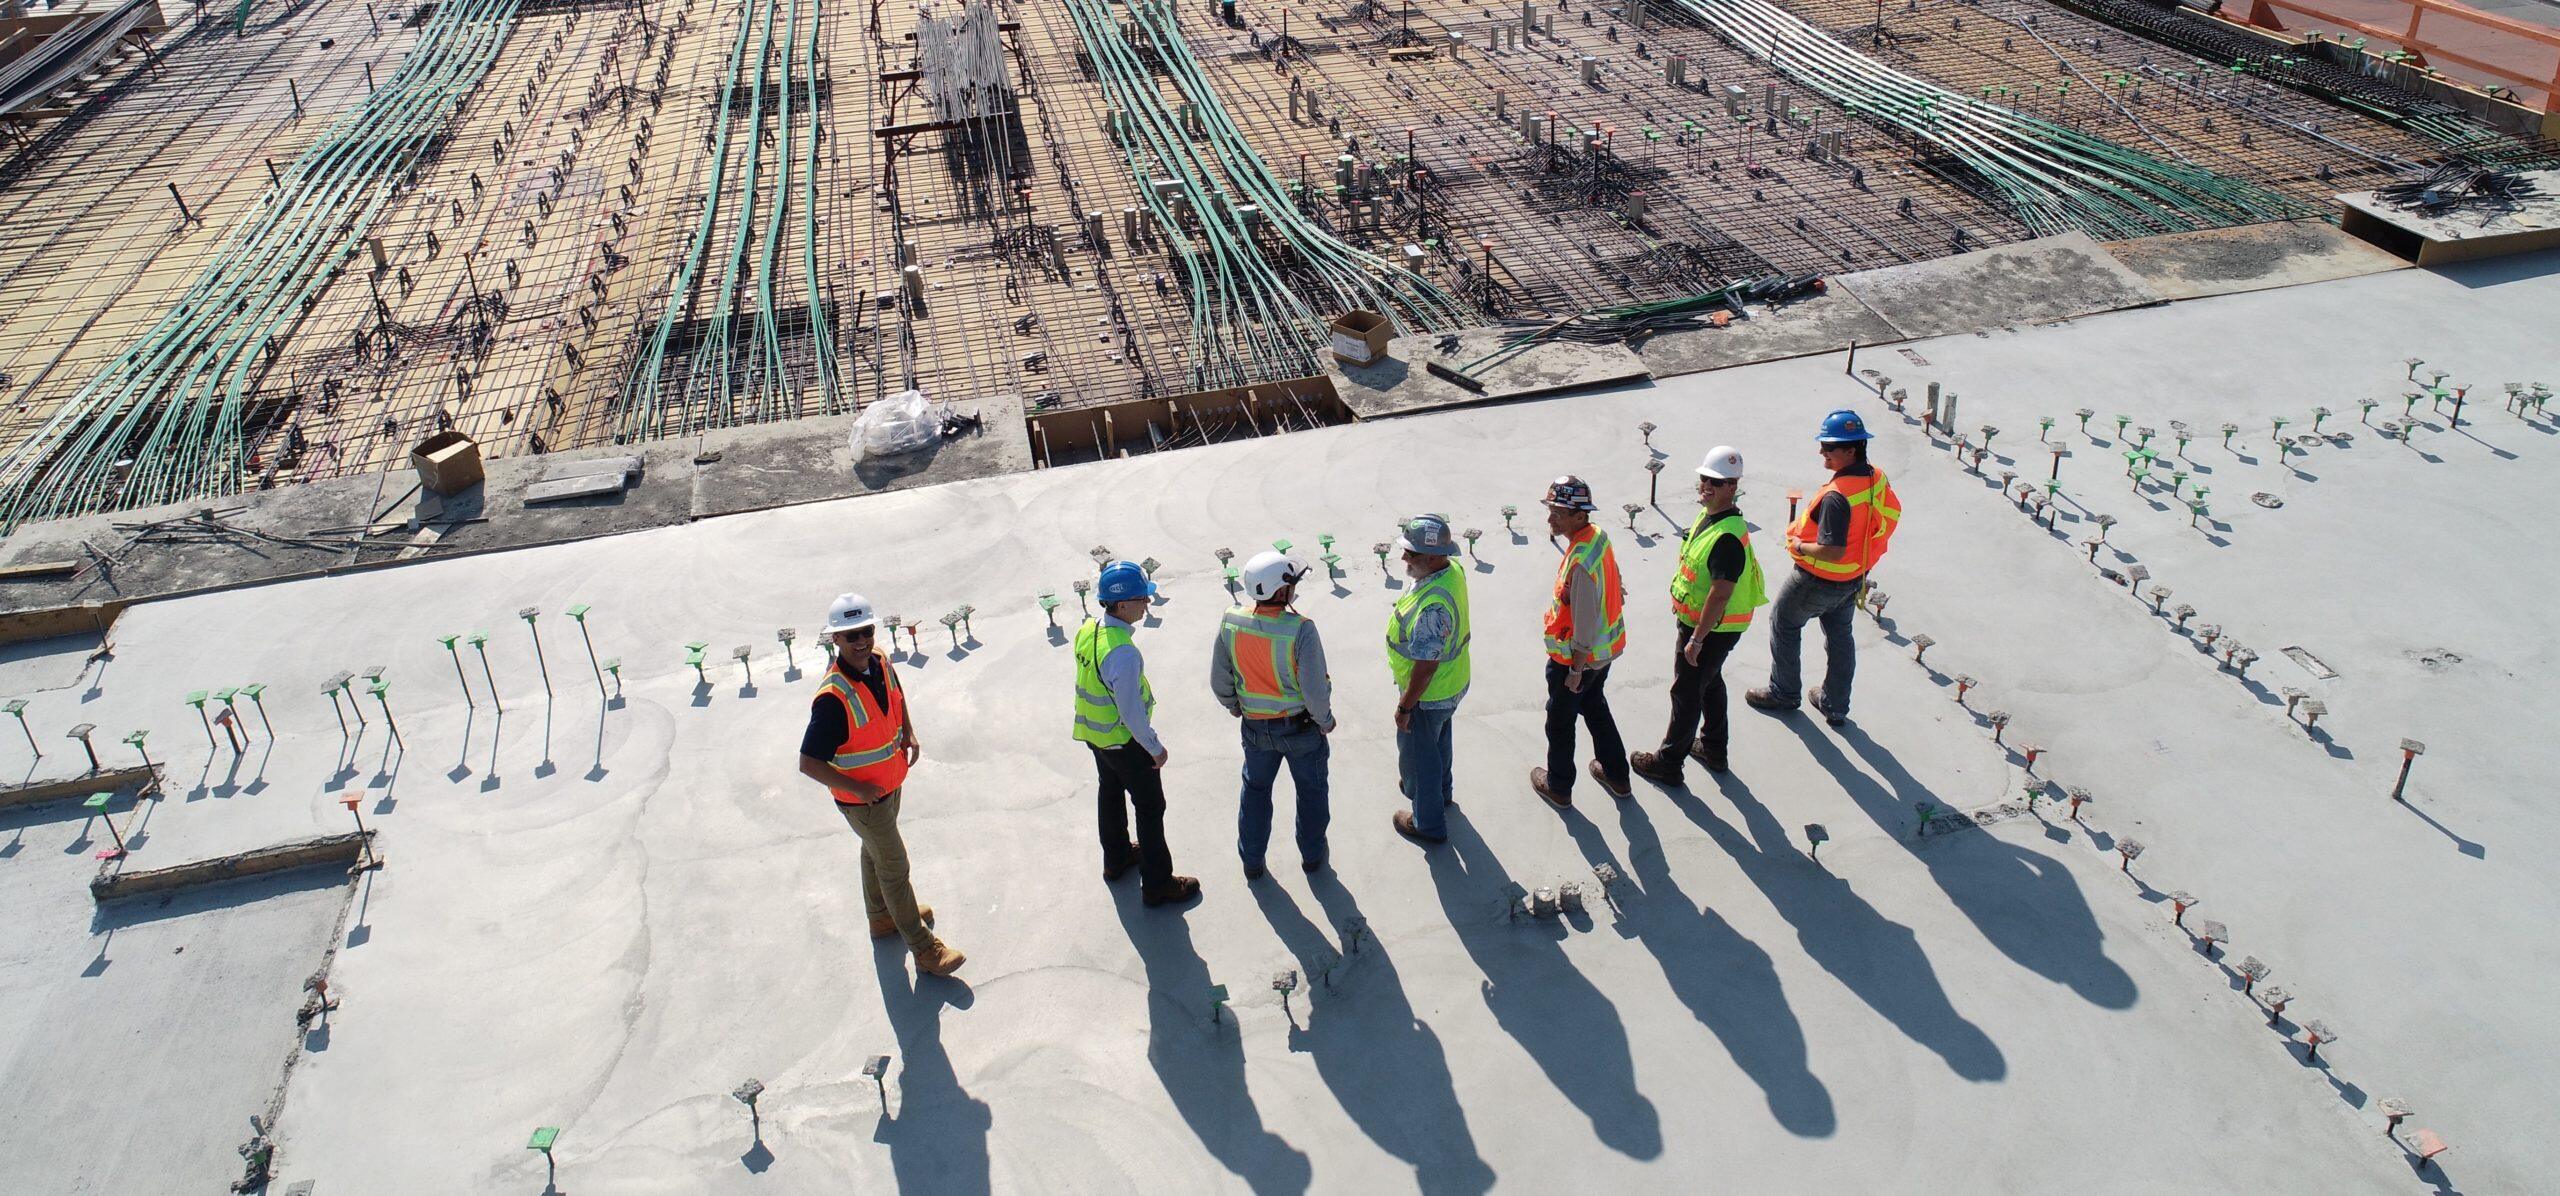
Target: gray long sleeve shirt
1313 684
1124 674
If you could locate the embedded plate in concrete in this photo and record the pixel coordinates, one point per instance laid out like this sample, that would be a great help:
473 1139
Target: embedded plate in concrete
2033 282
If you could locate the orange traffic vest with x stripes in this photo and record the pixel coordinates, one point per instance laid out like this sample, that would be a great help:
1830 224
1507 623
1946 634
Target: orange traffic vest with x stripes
875 739
1589 552
1874 511
1263 650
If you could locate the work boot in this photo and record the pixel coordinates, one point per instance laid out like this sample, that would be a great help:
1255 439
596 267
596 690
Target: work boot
1621 792
1311 867
1538 781
1762 699
1656 767
1712 758
1405 827
884 925
1128 860
1828 715
1253 872
1182 890
938 959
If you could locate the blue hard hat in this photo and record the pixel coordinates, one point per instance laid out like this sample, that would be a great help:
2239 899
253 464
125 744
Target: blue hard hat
1843 427
1123 581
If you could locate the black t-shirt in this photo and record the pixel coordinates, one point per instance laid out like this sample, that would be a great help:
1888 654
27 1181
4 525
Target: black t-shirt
1724 561
1831 515
830 722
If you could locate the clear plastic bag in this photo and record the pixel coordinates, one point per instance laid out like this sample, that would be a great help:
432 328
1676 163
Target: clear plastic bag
901 423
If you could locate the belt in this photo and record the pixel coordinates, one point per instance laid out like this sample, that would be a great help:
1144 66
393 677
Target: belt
1298 718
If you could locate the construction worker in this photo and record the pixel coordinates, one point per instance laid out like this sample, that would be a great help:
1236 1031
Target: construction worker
1113 702
1586 630
1712 596
1427 653
1269 672
1835 542
860 745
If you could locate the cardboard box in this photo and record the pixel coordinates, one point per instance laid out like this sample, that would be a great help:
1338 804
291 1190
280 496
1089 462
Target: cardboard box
1360 337
448 463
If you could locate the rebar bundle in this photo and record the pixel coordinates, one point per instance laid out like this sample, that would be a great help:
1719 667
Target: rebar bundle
724 383
2454 186
2053 178
1214 206
164 419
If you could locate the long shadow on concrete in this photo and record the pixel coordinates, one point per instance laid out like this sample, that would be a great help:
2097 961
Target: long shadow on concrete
938 1141
1383 1064
1201 1061
1726 980
2024 902
1875 957
1541 1000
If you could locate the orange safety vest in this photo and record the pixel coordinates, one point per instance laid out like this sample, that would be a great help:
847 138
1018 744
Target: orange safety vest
1874 511
1589 551
875 740
1263 650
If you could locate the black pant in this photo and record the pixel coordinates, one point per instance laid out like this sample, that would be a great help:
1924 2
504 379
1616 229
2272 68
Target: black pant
1697 696
1128 777
1591 705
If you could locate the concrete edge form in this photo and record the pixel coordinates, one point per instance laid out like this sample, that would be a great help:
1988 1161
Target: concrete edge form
36 793
348 849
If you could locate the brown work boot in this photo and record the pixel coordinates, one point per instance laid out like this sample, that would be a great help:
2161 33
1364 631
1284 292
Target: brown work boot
1621 792
1183 889
1112 872
884 925
1538 781
1835 718
1714 760
1406 827
1761 699
938 959
1655 767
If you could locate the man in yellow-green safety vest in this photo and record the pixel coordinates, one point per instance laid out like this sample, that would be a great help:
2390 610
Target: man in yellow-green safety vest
1713 593
1427 652
1114 708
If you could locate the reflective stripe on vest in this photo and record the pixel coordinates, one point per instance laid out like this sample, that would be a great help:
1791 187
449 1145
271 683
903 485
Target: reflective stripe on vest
1097 715
1689 587
874 748
1263 650
1874 512
1446 589
1589 551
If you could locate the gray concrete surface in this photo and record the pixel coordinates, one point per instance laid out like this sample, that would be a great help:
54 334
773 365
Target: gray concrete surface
2032 282
1399 383
2250 257
138 1039
1821 323
604 914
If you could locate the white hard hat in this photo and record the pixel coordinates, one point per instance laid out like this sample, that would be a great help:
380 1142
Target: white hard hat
1723 463
850 612
1268 573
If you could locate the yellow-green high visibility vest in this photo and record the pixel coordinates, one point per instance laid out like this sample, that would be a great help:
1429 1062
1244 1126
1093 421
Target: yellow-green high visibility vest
1097 716
1689 586
1446 588
1263 650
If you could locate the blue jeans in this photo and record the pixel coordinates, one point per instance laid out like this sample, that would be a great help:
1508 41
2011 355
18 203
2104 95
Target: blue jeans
1423 769
1804 599
1267 742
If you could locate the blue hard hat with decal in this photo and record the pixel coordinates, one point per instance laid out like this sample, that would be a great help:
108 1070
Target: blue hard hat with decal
1123 581
1843 427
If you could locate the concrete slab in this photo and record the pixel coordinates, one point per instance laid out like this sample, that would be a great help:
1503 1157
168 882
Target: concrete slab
142 1036
1398 384
2464 234
2250 257
2032 282
812 459
1818 324
607 908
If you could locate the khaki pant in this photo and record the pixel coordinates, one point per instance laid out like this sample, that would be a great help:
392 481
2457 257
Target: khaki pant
885 891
